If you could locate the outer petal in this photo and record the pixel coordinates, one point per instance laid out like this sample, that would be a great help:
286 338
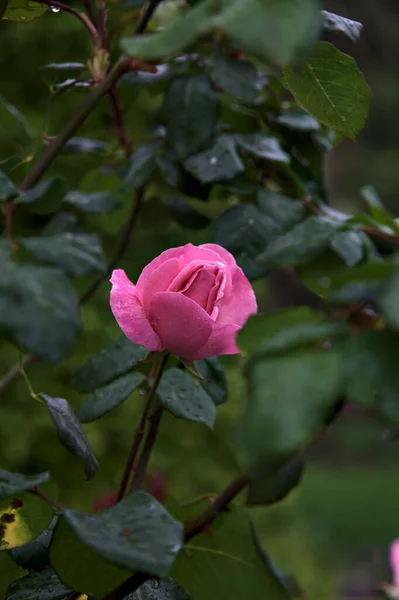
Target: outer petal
204 252
129 313
394 560
221 341
182 325
155 264
159 280
222 252
239 303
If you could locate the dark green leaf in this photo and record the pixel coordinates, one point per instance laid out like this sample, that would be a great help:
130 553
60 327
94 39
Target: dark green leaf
14 112
115 359
389 301
288 405
61 222
105 399
137 534
239 185
75 253
333 22
214 380
262 145
35 554
186 215
329 85
349 245
70 432
283 210
372 376
245 231
24 11
38 585
237 77
268 487
10 572
170 168
8 191
141 166
185 398
282 330
12 484
85 145
92 202
223 563
362 282
190 113
46 197
65 66
39 307
3 6
218 163
79 567
299 245
377 209
298 120
159 589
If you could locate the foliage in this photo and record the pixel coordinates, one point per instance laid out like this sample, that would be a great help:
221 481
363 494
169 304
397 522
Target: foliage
240 101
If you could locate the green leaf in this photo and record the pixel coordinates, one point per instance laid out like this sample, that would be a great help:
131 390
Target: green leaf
141 166
389 301
115 359
98 203
371 369
284 211
70 432
24 11
269 487
12 484
377 210
282 330
298 120
61 222
298 246
46 197
84 145
10 572
223 563
186 215
245 231
137 534
79 567
214 379
349 245
13 110
287 405
262 145
8 191
336 23
179 393
39 307
329 85
65 66
190 112
38 585
109 397
237 77
3 6
75 253
35 554
159 589
219 163
363 282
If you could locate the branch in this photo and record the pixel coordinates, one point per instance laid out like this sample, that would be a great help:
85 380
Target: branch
144 457
38 492
82 18
151 8
91 290
192 528
124 141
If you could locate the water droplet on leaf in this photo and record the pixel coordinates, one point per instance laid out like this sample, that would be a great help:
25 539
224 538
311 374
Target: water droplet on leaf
55 9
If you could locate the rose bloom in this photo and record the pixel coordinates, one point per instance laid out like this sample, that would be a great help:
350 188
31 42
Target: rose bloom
190 301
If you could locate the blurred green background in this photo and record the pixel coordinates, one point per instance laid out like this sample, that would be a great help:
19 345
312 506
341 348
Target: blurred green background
333 532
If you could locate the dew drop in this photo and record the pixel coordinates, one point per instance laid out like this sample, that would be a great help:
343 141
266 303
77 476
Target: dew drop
213 160
54 9
251 221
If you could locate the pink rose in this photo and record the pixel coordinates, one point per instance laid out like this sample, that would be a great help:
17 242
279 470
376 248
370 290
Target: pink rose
190 300
394 560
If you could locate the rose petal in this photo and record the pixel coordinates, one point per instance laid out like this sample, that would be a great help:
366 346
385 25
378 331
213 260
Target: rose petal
221 341
155 264
159 280
222 253
201 287
204 252
182 325
239 303
129 313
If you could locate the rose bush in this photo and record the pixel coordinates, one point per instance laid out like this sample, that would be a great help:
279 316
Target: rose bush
190 300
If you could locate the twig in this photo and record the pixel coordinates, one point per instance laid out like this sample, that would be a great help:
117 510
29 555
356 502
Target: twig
82 17
151 8
38 492
149 442
124 141
90 291
192 528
